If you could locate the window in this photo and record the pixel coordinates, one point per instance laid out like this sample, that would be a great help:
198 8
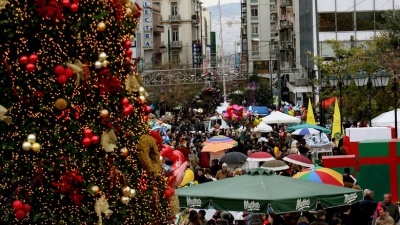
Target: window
345 21
174 8
261 66
175 57
254 11
365 20
255 46
326 21
254 28
175 34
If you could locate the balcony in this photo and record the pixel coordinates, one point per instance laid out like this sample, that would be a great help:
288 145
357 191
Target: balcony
272 9
174 18
285 3
253 1
160 49
176 44
254 18
158 29
255 54
285 24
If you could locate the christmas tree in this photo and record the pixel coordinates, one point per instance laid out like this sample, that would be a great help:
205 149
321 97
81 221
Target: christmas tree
74 141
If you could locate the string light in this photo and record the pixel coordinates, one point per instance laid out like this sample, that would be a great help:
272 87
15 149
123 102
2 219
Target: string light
30 98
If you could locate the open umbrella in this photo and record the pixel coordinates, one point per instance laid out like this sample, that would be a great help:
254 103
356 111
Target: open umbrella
321 175
262 139
304 131
218 143
279 118
299 160
260 157
323 129
233 157
263 128
275 165
262 191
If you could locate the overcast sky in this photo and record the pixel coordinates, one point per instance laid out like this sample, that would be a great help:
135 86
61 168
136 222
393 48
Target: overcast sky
207 3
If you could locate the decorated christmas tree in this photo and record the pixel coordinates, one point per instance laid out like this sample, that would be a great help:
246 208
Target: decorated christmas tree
74 143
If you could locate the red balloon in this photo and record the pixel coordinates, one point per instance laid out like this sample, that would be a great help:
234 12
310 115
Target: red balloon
88 132
59 70
33 58
62 79
86 142
127 44
66 3
95 139
169 192
128 53
23 60
126 111
30 67
125 102
20 214
17 204
74 7
26 207
68 72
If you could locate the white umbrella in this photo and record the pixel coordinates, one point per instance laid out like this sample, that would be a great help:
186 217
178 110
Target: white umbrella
279 118
306 130
238 92
262 139
263 127
385 119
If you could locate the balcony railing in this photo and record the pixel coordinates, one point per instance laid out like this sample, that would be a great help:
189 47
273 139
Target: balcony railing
176 44
175 18
158 28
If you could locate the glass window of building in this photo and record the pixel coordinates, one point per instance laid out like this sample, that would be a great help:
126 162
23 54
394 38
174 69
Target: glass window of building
254 11
345 21
174 8
254 28
255 46
365 20
327 22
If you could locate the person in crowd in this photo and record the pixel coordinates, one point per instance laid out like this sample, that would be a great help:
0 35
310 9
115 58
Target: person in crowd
366 208
335 221
320 218
211 222
347 177
275 219
193 218
303 221
335 151
203 176
214 167
342 150
391 207
384 217
202 214
265 219
222 173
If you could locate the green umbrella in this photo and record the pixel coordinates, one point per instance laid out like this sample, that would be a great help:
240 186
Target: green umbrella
261 189
301 126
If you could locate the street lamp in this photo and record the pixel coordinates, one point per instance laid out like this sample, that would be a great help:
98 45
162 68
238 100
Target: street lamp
362 79
335 81
382 80
321 83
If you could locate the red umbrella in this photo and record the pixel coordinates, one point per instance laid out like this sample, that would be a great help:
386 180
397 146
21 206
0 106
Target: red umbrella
299 160
260 157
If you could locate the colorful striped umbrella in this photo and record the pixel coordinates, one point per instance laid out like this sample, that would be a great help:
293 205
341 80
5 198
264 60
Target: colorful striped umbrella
299 160
260 157
218 143
321 175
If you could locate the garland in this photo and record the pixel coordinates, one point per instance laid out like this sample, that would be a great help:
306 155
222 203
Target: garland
149 155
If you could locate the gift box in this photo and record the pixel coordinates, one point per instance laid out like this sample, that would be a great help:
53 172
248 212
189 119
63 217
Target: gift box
339 162
378 162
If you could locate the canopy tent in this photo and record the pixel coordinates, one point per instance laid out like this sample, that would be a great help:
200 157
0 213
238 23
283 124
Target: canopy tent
262 128
261 189
261 110
385 119
323 129
280 118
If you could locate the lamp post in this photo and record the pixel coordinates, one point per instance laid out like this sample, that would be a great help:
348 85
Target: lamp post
382 80
335 81
362 79
321 83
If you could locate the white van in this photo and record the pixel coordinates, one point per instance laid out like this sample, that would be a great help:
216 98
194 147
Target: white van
217 120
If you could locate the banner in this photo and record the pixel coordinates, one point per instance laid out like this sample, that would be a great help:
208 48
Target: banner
310 114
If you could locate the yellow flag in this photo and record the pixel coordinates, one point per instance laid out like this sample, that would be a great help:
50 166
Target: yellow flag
336 133
310 114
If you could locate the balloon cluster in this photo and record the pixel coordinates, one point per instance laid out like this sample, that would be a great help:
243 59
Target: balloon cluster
236 115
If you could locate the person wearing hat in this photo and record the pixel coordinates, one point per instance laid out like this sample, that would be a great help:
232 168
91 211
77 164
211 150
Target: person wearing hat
320 218
222 173
202 214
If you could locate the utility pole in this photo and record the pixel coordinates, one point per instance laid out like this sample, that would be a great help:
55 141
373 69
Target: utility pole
169 48
278 105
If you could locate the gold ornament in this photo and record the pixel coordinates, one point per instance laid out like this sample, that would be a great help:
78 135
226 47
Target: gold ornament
31 138
132 193
128 12
3 4
61 104
108 140
26 146
104 113
101 26
95 189
141 90
36 147
3 111
131 83
101 206
126 190
102 56
108 213
125 200
77 67
124 152
142 98
98 65
105 63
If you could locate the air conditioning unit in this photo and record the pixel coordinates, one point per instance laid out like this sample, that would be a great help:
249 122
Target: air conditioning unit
300 81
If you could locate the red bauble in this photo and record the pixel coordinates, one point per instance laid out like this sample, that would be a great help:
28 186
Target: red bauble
74 7
128 53
30 67
20 214
68 72
148 109
130 108
23 60
145 118
27 208
66 3
169 192
33 58
125 102
62 79
126 111
59 70
17 204
95 139
88 132
127 44
86 142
